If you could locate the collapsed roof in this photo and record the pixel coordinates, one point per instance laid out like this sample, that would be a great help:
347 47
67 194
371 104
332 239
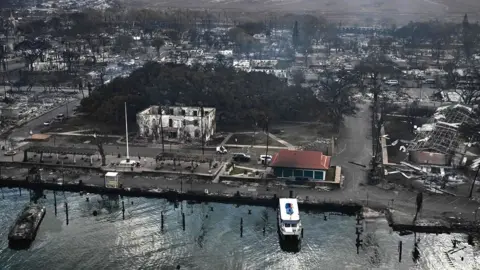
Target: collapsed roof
444 136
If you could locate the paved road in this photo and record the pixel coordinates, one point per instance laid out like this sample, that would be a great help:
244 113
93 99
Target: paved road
354 144
37 124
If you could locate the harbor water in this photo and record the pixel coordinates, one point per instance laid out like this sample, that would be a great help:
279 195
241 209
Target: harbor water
212 238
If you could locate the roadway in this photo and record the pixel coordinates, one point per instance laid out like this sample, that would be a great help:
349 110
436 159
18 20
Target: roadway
36 125
354 145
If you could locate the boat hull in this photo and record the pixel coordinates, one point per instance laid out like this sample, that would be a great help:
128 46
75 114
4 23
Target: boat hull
25 229
289 243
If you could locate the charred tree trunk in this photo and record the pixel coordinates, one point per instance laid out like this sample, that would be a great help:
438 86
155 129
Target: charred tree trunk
101 150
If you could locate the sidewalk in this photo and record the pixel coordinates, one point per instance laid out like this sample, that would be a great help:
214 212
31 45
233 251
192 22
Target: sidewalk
254 146
287 144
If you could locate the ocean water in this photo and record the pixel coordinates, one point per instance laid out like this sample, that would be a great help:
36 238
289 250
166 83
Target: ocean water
211 239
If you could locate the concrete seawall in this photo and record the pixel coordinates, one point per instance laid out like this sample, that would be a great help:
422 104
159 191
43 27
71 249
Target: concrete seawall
398 221
197 195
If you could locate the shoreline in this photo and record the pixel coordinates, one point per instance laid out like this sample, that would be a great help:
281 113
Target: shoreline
210 192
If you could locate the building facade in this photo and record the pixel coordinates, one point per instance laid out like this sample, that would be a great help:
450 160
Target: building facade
179 123
292 164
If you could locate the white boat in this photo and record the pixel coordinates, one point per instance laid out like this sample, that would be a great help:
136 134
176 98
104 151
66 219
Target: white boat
289 224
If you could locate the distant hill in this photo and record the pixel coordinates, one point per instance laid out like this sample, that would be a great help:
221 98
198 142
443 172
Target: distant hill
347 11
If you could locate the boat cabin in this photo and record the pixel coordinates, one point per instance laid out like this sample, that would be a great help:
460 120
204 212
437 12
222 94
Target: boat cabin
289 216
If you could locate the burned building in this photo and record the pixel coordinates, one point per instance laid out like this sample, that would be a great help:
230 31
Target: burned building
439 143
178 123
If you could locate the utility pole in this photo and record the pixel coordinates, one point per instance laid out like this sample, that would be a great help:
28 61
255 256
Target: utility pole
66 105
202 113
473 183
126 133
266 152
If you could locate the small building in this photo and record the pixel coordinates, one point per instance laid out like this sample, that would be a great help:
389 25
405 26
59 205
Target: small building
178 123
293 164
111 179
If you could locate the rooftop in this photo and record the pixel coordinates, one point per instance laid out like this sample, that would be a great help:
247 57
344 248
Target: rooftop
177 110
301 160
444 136
289 209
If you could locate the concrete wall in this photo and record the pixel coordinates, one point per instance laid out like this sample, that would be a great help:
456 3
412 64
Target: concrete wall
180 123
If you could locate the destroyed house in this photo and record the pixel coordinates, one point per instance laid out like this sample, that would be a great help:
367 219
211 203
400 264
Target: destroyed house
439 144
177 123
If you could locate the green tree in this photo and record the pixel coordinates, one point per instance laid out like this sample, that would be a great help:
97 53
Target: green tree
236 95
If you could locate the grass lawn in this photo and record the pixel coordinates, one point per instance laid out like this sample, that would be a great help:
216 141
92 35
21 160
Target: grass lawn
303 134
59 139
249 139
80 123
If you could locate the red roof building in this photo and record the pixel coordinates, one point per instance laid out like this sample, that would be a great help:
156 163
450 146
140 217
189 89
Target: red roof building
303 164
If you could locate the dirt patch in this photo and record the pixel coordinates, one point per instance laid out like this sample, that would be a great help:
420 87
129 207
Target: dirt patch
215 141
303 133
397 129
65 139
251 139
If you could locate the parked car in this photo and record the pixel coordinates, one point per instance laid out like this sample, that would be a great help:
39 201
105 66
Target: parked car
47 123
221 149
265 159
10 153
391 82
241 157
429 81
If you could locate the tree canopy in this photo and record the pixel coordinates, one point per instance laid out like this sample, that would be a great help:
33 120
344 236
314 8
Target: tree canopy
240 98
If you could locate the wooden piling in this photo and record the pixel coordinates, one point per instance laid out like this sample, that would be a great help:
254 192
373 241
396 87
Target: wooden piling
55 201
66 211
241 227
162 221
400 247
183 221
123 210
